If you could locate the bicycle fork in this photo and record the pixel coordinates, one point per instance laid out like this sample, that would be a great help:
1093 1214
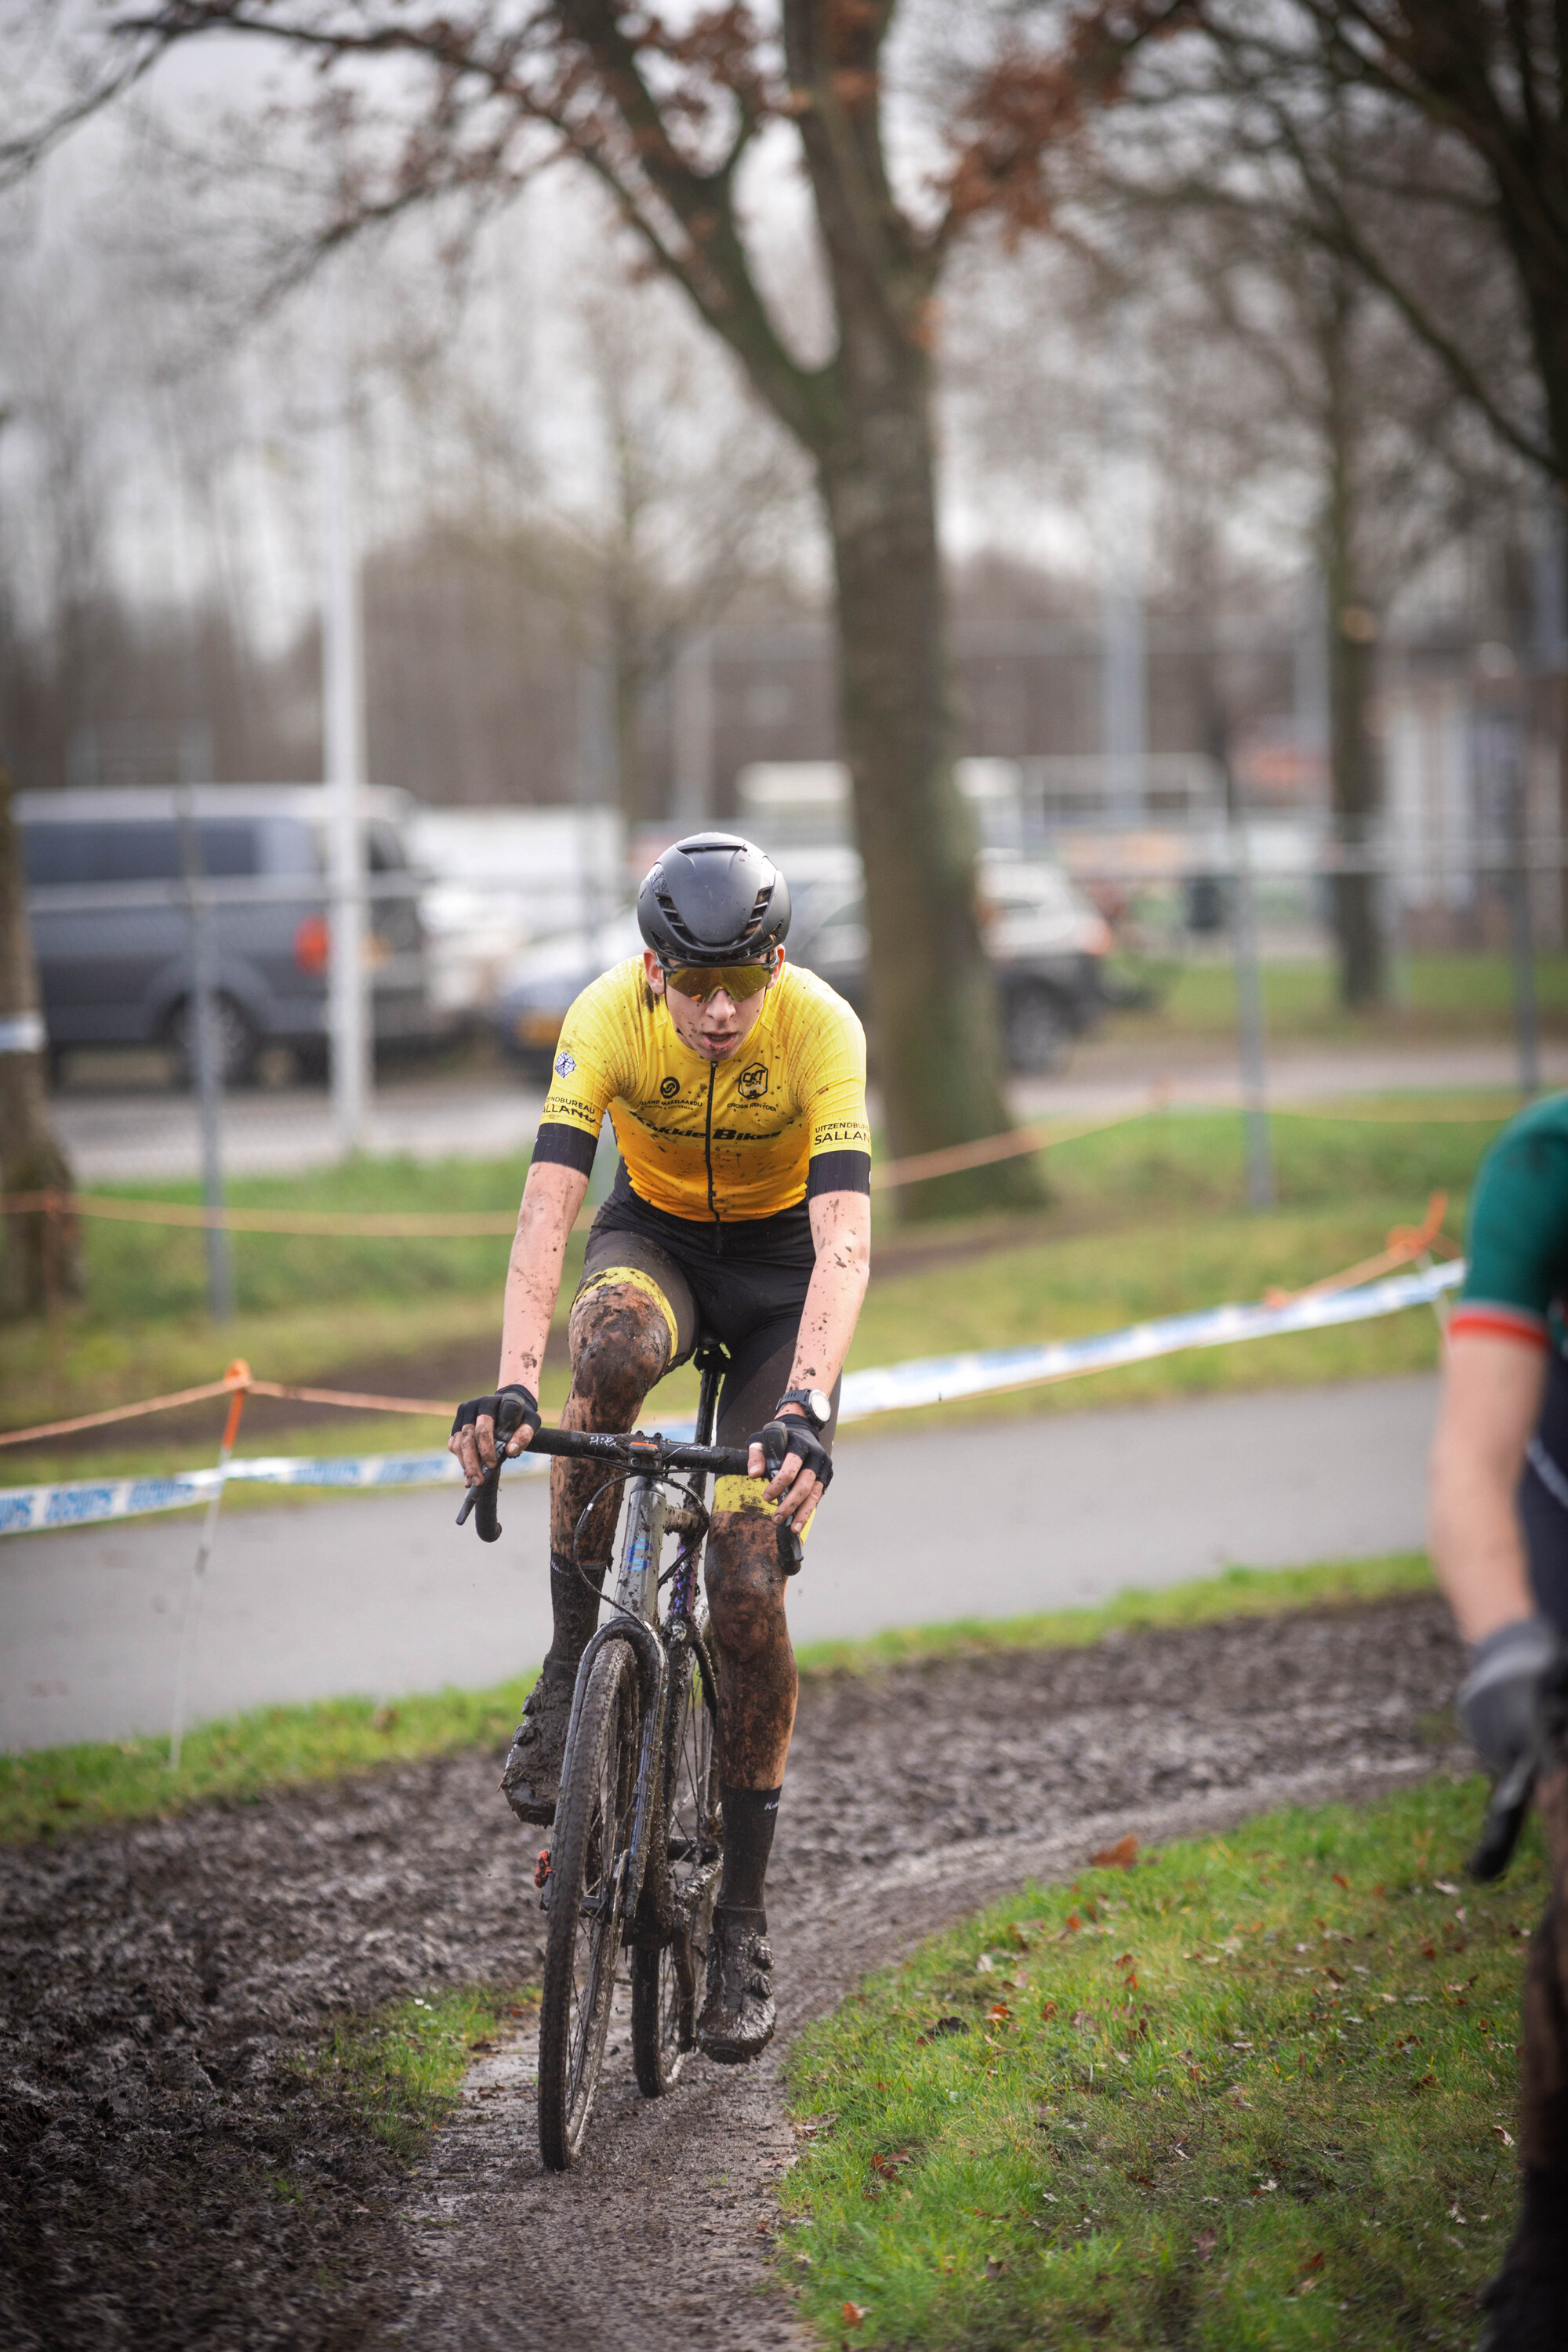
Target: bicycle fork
632 1621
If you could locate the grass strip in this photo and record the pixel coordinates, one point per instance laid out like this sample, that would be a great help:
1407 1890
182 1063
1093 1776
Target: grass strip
241 1757
1237 1592
1255 2090
46 1790
397 2074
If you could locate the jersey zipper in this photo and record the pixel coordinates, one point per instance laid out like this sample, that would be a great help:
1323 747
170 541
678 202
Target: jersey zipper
708 1147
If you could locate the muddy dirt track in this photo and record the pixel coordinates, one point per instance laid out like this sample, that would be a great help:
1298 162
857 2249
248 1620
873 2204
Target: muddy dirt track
168 2178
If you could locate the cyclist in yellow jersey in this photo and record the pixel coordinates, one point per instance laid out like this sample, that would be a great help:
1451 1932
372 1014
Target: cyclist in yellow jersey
739 1213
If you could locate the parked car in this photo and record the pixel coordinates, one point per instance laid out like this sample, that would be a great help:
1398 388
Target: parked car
112 931
1045 942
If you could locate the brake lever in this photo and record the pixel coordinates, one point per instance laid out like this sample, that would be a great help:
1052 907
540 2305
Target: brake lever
484 1499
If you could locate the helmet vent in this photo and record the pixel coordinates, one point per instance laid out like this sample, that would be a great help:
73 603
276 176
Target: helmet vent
673 916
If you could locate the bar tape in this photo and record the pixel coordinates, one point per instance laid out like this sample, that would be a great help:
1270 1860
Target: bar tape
892 1388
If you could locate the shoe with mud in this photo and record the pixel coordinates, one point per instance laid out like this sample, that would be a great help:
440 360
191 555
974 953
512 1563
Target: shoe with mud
1526 2312
531 1781
738 2016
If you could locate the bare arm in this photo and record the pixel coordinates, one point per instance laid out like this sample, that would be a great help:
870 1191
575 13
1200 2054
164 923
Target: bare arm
551 1201
841 1231
1492 1389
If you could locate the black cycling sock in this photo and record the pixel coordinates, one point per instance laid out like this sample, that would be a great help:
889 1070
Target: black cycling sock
575 1606
750 1818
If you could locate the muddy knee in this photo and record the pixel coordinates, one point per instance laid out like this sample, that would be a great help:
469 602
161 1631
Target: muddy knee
620 1343
745 1587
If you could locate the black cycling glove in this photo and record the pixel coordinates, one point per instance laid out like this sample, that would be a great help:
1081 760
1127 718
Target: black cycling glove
794 1436
489 1406
1500 1698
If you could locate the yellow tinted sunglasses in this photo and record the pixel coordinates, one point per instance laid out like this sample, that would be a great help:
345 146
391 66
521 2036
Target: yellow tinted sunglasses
699 982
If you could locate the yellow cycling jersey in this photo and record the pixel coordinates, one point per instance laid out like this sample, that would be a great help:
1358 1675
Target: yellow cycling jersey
744 1138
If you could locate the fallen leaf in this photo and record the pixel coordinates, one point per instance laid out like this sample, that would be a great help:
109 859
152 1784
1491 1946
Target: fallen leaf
998 2012
951 2025
1506 2137
993 2267
1342 1882
1237 2097
1019 1936
985 1966
1205 2243
1119 1856
853 2313
1047 2008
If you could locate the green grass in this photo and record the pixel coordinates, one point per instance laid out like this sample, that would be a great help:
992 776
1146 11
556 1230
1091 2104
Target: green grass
1239 1593
1254 2092
1146 1219
1442 996
397 2074
50 1790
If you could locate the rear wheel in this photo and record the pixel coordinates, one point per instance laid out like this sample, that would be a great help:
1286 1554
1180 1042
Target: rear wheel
667 1977
587 1885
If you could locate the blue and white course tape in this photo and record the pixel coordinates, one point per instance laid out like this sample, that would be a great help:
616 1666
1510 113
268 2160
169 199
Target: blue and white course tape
891 1388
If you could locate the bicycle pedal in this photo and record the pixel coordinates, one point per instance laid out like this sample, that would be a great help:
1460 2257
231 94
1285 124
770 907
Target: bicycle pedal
542 1867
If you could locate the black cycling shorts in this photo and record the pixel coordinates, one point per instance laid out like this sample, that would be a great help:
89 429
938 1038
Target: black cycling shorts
1543 1500
742 1284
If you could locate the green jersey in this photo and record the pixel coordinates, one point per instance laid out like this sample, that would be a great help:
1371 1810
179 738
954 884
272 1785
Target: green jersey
1517 1277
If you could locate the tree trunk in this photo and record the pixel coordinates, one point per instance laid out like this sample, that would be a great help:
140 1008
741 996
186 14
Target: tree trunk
1355 769
42 1254
933 997
866 418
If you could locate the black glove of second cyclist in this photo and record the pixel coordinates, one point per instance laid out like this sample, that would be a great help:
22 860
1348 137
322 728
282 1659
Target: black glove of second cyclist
489 1407
783 1437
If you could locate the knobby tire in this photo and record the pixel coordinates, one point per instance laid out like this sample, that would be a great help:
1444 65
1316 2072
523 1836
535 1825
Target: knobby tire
668 1973
582 1948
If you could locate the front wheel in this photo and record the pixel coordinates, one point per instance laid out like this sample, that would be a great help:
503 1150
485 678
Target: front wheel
668 1976
587 1892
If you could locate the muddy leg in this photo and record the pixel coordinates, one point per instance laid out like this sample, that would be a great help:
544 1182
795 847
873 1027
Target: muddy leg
757 1683
620 1347
757 1680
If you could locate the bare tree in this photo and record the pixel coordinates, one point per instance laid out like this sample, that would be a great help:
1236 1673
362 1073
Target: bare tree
664 110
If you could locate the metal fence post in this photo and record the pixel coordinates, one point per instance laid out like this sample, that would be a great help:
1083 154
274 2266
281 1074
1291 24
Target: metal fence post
1250 1023
203 1032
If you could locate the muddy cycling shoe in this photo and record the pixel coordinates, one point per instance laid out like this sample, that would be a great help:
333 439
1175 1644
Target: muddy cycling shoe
531 1781
1526 2312
738 2016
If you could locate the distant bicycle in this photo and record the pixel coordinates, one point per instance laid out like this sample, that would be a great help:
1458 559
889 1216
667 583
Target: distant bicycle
638 1838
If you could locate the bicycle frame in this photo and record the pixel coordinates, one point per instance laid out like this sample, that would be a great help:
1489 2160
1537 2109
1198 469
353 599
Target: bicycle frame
634 1619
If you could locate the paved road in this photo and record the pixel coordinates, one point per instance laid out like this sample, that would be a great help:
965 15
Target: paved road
380 1594
144 1135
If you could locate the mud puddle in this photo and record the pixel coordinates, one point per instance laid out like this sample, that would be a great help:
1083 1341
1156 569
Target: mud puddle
171 2178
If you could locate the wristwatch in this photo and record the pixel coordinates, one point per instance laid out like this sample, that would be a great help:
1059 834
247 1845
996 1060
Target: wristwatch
816 1405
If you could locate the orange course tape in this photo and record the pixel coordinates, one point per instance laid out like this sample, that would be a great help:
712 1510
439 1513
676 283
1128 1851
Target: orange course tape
238 1383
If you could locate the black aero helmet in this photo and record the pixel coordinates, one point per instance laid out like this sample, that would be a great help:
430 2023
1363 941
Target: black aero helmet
713 899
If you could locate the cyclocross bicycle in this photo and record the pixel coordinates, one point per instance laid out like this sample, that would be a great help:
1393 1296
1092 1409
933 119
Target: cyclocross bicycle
633 1863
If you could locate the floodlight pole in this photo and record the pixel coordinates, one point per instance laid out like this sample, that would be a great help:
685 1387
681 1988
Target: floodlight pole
1123 658
343 728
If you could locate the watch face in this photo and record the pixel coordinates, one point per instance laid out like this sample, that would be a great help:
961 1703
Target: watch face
820 1408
